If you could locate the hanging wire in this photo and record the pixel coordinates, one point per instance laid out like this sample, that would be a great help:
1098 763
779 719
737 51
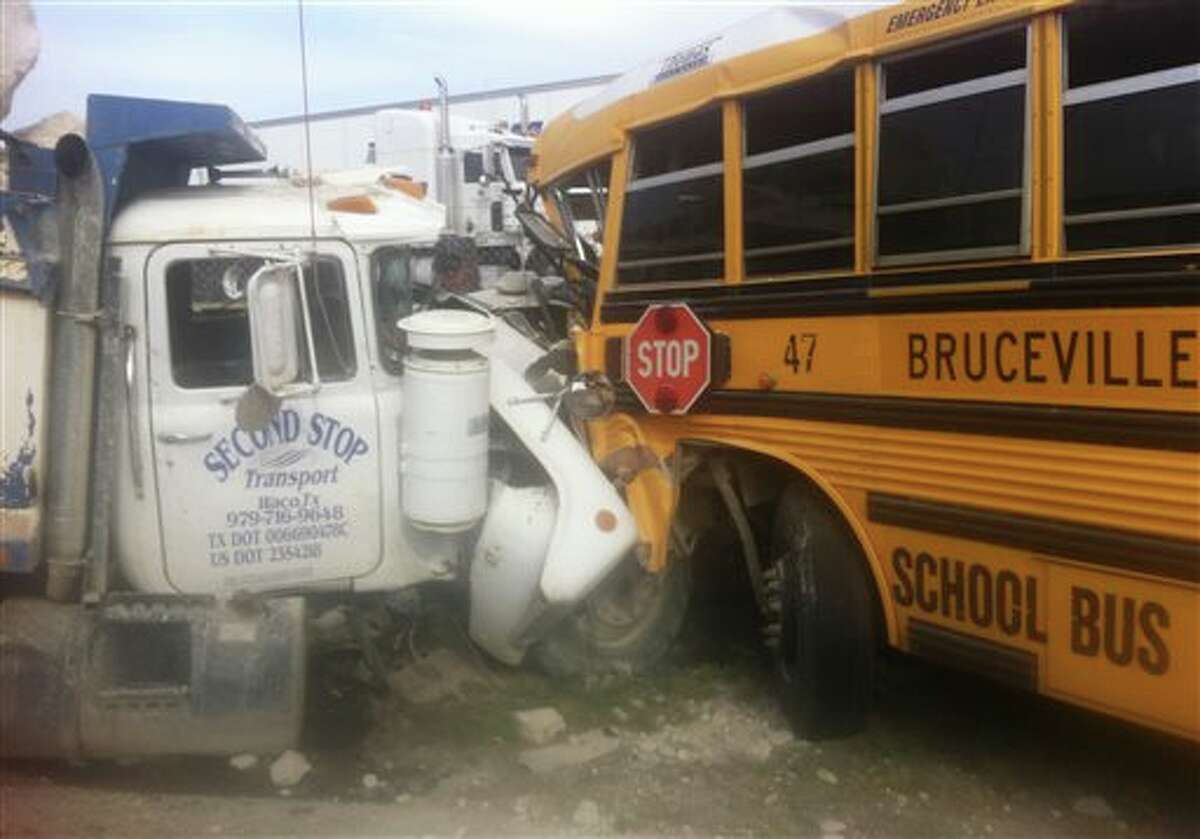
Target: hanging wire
312 206
314 264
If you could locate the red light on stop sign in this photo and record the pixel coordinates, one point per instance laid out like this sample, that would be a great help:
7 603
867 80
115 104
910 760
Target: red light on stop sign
668 358
666 399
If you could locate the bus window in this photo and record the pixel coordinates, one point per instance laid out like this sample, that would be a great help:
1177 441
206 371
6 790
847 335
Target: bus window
1131 112
952 152
798 177
673 225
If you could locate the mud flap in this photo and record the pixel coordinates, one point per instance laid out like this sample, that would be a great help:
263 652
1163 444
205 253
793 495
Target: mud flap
145 675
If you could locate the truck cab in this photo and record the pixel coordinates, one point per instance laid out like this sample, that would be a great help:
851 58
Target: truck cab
302 501
243 393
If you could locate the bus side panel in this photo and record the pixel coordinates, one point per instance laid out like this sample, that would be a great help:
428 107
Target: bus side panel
1122 643
1125 644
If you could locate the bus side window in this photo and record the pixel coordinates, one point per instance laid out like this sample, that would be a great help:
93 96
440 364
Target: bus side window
673 224
952 158
799 177
1131 125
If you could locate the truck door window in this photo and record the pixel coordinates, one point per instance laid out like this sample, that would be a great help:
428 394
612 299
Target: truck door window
329 309
209 326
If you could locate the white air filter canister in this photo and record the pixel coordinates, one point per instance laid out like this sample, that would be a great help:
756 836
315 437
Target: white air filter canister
444 422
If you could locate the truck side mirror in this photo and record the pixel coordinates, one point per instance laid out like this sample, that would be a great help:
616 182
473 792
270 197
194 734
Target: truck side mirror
589 395
544 234
273 300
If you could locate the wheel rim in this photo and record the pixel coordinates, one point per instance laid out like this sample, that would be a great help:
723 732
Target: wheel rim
622 606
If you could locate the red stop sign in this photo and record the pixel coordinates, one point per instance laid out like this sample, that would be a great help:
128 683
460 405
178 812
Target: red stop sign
668 358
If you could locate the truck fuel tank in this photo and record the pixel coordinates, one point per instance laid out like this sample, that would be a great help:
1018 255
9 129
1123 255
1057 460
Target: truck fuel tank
144 675
444 421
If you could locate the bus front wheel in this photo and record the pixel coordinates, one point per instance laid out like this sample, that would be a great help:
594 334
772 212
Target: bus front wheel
826 650
626 626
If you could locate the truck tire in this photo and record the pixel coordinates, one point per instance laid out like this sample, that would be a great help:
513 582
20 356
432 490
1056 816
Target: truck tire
626 626
826 652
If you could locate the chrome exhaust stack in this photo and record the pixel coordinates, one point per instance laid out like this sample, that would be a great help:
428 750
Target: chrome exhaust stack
447 161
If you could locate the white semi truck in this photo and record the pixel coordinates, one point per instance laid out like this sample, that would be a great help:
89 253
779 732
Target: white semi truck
476 170
221 399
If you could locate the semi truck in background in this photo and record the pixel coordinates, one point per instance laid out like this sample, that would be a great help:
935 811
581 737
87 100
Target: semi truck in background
222 399
476 170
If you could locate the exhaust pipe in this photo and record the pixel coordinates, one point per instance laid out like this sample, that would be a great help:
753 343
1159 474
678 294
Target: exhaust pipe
80 202
447 162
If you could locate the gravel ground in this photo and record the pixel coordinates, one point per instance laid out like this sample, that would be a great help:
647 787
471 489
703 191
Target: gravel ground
700 748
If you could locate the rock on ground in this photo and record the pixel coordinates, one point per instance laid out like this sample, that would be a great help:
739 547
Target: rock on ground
580 749
538 726
243 762
289 769
724 731
332 627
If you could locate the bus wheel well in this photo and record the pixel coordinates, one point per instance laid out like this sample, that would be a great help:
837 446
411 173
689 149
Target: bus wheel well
759 482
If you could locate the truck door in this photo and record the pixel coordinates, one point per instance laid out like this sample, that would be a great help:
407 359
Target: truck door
296 503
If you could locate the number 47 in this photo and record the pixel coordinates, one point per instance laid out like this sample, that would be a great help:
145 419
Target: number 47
800 351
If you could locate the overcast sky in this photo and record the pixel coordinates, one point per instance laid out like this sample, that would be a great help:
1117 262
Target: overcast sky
246 54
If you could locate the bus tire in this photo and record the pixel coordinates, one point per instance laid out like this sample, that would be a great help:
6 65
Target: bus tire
826 653
625 627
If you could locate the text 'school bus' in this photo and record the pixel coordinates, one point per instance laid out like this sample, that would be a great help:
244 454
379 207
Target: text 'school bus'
907 307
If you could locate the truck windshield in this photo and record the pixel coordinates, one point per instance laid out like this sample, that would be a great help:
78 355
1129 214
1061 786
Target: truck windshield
520 156
581 199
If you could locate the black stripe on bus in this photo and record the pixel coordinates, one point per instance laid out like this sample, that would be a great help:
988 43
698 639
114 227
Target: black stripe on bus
1008 665
1125 550
1171 281
1165 430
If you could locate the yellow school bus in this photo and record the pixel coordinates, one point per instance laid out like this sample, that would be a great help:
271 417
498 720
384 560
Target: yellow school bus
948 257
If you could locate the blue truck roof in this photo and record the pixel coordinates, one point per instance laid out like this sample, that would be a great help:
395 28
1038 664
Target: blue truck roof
139 145
143 144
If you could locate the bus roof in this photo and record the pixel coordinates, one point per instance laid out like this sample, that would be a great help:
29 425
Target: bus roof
772 48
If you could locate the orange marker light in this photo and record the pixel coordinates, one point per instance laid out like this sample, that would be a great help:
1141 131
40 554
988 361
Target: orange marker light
361 204
606 520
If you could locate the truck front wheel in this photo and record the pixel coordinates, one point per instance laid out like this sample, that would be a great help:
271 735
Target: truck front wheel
626 626
826 651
